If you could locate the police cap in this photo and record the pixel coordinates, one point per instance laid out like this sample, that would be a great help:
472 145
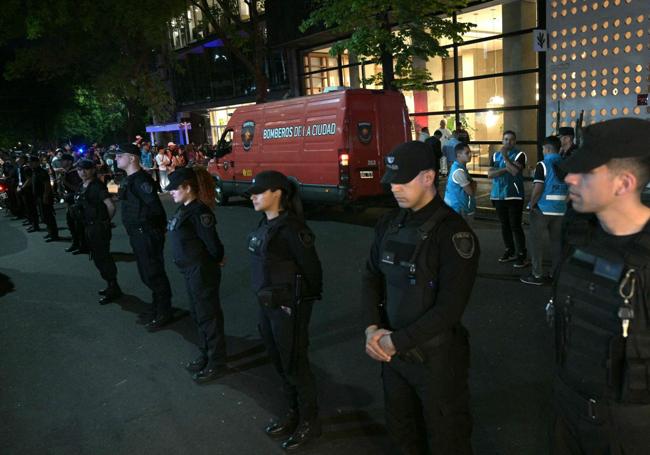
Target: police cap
406 161
85 164
566 131
180 175
131 149
66 157
269 180
605 141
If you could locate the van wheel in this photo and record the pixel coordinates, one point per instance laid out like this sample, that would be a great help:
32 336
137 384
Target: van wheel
219 197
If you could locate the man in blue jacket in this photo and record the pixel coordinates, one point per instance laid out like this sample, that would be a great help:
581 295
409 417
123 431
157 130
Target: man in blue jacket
547 206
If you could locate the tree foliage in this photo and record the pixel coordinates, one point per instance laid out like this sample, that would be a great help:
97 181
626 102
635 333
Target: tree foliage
110 47
370 28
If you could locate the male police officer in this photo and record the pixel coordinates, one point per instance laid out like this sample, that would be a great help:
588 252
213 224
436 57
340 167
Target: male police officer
602 296
566 134
70 183
96 209
417 282
145 221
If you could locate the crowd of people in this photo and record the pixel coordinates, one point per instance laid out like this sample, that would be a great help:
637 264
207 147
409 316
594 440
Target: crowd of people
417 281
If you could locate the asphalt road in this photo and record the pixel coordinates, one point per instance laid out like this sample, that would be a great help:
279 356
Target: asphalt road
80 378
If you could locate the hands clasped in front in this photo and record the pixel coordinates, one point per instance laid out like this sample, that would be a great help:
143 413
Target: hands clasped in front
379 345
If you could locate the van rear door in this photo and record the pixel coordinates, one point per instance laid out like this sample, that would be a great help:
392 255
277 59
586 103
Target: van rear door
363 140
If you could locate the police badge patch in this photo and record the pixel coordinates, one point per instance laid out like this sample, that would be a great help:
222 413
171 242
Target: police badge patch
464 244
306 238
247 134
146 187
207 220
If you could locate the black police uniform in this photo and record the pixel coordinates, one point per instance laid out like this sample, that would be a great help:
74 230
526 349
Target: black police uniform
602 387
198 252
44 200
417 282
28 199
145 221
286 276
97 227
71 184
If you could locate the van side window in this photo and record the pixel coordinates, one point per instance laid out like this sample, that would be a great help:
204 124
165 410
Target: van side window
224 146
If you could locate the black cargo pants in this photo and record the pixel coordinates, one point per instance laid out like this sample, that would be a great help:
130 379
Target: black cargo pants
98 239
427 404
148 246
277 328
202 282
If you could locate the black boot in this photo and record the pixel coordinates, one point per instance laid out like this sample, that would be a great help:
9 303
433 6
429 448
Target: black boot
283 426
71 248
306 431
159 321
113 292
210 373
198 364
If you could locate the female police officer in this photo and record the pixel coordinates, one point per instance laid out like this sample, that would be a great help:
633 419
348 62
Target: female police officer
286 278
198 253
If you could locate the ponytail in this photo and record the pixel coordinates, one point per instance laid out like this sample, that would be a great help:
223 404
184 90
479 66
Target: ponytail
202 185
291 202
205 186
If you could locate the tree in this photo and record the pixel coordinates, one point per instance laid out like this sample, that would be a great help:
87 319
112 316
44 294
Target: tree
370 28
244 39
109 47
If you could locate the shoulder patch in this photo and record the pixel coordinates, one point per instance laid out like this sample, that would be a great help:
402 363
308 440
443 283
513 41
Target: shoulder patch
464 244
207 220
146 187
306 238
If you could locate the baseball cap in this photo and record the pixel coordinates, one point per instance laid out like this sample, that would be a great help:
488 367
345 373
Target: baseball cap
179 176
608 140
131 149
85 164
269 180
566 131
406 161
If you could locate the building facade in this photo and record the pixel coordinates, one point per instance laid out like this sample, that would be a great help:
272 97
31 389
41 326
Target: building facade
594 57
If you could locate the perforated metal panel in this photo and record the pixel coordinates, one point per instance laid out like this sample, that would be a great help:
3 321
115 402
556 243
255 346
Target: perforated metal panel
598 60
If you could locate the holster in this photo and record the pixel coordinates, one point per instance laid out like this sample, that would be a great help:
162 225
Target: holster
275 297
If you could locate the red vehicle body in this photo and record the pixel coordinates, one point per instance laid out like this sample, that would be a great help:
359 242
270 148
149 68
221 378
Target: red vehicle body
333 145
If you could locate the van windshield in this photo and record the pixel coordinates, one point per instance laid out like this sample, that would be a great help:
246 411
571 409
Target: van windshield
224 146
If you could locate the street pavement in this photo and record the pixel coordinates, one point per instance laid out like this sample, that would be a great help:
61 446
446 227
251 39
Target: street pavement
80 378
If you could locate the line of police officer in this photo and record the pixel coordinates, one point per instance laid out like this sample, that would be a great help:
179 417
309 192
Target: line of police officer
418 281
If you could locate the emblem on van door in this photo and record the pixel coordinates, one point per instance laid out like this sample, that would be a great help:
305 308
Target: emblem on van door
365 132
247 134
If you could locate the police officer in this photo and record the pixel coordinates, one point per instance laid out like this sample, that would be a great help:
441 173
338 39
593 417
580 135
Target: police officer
96 209
43 196
26 191
70 184
145 221
417 283
286 277
602 296
198 253
566 135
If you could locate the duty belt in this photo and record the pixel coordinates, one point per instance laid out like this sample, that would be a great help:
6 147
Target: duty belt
418 354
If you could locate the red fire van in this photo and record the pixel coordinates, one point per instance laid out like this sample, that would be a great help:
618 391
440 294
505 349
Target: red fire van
333 145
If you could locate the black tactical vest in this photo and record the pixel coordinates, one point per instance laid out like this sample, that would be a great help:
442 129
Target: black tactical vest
270 272
411 287
594 357
92 209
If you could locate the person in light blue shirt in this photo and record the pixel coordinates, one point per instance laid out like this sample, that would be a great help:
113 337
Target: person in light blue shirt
506 167
548 203
449 150
146 157
461 188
